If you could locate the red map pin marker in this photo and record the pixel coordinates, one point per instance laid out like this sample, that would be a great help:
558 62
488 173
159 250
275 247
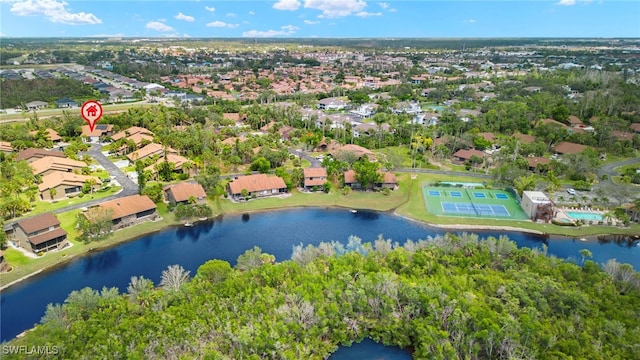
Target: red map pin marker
91 112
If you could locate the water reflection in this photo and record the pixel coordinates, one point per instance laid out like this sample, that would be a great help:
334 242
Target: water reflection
366 215
101 262
370 350
245 217
622 240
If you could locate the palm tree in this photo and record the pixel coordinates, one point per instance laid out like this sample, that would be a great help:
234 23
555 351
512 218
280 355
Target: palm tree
187 166
52 193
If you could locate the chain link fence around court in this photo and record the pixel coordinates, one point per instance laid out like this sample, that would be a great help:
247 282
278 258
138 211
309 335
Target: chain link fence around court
472 202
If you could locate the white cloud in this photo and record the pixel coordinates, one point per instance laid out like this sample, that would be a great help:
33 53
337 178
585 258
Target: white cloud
184 17
368 14
231 15
251 13
222 24
310 22
286 30
54 10
393 10
471 21
336 8
210 8
566 2
287 5
383 5
158 26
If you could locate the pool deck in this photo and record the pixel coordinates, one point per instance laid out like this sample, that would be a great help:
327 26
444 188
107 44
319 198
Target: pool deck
561 215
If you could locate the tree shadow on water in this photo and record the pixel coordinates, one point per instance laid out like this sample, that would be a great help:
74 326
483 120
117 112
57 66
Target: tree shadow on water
102 261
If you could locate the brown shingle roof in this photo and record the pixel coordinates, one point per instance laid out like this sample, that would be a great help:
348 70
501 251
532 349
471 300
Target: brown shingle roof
55 163
524 138
566 147
356 149
254 183
38 222
635 127
467 154
5 146
573 120
128 205
183 191
389 178
534 161
51 134
97 131
622 135
29 153
315 172
350 177
149 150
49 235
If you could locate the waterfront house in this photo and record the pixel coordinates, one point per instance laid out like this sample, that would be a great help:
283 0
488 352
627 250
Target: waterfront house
181 193
40 233
129 210
314 177
258 185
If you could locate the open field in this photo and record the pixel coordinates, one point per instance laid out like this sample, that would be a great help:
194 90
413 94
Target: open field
47 113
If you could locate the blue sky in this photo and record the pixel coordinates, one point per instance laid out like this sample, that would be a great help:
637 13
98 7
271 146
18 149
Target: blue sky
320 18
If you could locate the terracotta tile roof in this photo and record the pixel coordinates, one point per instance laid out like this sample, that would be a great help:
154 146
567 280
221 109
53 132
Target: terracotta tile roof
38 223
134 130
128 205
488 136
5 146
51 134
315 172
255 183
29 153
573 120
389 178
467 154
139 138
524 138
97 131
183 191
49 235
350 177
176 160
149 150
58 178
56 163
565 147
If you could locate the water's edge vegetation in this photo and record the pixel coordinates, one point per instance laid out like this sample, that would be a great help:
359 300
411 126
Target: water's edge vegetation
449 297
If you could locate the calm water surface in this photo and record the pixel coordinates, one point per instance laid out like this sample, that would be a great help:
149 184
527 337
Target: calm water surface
22 305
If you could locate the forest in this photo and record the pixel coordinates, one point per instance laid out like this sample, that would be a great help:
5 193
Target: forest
18 92
449 297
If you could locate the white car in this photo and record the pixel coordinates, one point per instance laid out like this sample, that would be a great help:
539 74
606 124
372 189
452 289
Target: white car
571 191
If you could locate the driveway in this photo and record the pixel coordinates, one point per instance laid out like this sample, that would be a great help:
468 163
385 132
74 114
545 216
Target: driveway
315 163
128 186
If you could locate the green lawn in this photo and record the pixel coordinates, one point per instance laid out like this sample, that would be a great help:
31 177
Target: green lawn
44 206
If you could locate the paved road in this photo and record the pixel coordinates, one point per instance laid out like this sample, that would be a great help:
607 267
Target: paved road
299 153
128 186
609 170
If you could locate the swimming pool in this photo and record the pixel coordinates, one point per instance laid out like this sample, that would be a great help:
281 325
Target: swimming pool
584 215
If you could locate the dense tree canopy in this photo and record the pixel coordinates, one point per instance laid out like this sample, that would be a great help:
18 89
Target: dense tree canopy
452 297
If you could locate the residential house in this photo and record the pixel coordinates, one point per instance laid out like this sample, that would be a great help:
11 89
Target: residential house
524 138
129 210
32 154
35 105
258 185
635 127
6 147
49 164
357 150
51 135
134 130
178 164
66 103
622 135
314 177
463 155
331 104
364 111
411 108
535 161
149 151
388 180
40 233
101 131
181 193
566 147
575 122
59 185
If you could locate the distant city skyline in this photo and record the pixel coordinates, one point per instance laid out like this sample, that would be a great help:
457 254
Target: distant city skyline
320 18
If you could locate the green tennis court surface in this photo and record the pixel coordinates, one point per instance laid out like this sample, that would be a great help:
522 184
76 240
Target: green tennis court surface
477 203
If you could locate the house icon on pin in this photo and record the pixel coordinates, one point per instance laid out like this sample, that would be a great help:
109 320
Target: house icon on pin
91 110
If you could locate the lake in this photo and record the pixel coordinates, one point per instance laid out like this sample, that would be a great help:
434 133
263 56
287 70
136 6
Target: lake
275 232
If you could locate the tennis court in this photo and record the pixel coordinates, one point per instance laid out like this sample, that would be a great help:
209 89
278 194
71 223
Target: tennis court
477 203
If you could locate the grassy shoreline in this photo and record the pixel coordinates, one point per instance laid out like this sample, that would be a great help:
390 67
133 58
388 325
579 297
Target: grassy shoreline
406 202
